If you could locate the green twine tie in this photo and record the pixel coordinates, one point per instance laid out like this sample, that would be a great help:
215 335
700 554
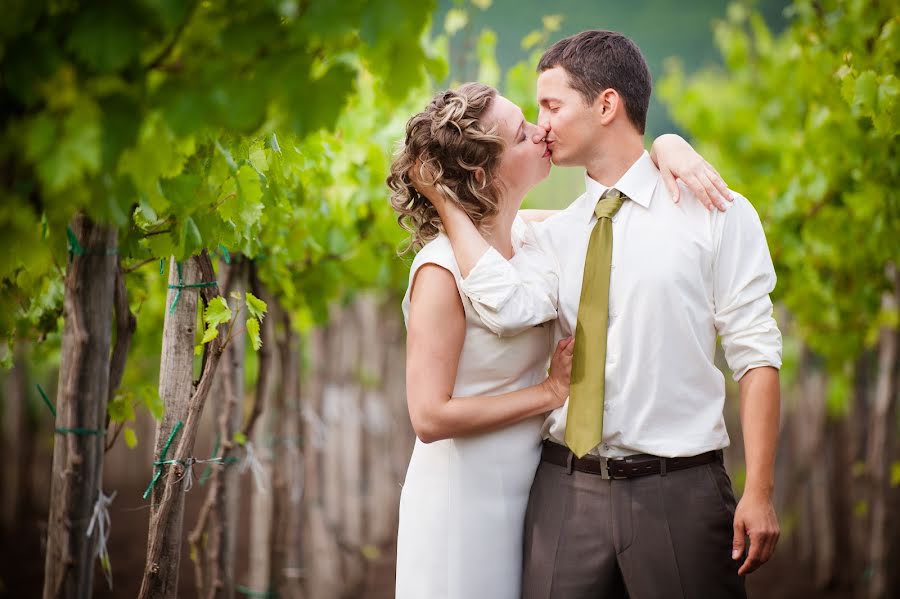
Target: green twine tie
76 249
182 285
162 459
244 590
66 430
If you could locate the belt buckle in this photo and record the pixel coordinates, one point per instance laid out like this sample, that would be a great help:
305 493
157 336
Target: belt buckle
604 468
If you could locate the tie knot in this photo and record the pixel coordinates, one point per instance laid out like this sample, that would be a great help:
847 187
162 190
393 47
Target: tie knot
609 203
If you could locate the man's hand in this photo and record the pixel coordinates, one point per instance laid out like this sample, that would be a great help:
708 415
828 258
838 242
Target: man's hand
755 518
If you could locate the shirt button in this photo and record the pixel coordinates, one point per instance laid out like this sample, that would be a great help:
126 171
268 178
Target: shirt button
606 446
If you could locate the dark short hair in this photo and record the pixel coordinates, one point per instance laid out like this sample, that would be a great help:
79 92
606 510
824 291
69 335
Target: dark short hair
597 60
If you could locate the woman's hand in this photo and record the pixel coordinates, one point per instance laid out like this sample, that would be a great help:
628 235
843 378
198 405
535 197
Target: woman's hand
677 159
429 191
558 380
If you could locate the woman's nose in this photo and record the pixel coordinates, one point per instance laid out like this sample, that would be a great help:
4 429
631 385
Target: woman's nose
538 134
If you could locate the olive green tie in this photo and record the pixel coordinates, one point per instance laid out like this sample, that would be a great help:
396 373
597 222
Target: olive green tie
584 422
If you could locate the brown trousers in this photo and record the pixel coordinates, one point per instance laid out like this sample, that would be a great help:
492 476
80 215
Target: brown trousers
644 538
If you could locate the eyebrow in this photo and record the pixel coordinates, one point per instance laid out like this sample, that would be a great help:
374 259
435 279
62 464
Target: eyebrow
548 100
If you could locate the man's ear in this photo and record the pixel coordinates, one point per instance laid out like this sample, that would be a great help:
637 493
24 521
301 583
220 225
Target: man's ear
607 105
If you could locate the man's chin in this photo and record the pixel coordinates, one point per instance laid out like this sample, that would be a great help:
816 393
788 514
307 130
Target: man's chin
558 160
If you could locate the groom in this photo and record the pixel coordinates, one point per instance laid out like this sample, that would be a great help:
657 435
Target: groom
631 496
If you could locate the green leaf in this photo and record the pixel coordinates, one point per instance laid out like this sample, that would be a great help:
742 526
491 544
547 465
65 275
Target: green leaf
256 306
240 438
532 39
105 36
552 22
130 437
895 474
486 49
456 19
154 403
192 241
209 334
117 409
866 92
217 312
253 333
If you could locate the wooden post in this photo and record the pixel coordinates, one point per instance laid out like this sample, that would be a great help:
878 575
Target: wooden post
286 553
881 441
322 557
264 436
81 408
183 402
223 524
16 441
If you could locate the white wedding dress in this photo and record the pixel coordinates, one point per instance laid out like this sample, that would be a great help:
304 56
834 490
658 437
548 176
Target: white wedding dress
462 507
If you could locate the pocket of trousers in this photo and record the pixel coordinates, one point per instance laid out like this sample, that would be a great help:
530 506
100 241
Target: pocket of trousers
722 483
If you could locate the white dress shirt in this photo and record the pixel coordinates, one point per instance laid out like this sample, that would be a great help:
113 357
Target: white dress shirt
681 275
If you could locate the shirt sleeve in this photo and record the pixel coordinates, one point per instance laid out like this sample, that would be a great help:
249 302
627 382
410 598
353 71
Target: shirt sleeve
511 296
743 278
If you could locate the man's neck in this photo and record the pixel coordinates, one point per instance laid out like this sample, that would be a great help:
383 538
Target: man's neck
607 165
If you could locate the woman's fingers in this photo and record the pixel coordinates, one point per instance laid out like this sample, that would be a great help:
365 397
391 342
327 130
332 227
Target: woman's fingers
698 189
713 194
669 180
718 182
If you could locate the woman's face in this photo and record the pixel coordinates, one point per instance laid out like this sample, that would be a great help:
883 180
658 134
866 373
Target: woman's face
524 163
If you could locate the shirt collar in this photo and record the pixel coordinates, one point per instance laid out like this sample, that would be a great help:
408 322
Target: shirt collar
638 182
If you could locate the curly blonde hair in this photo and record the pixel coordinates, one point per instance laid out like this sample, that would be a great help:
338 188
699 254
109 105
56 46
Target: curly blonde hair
458 154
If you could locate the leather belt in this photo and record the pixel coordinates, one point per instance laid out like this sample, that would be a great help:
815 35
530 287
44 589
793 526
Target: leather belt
620 468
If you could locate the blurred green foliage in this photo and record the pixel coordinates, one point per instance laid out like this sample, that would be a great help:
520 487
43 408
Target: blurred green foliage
805 125
264 128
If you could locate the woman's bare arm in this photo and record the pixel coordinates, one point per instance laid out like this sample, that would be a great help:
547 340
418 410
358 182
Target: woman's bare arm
436 331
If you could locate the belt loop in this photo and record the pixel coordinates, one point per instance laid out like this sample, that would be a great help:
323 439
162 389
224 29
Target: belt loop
662 466
570 462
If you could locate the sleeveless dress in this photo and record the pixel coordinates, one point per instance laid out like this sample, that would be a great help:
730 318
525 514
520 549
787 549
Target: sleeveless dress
462 506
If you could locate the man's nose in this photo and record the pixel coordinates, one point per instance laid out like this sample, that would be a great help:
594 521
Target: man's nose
544 122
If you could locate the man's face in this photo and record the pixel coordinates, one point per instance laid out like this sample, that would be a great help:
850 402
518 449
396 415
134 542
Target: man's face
570 123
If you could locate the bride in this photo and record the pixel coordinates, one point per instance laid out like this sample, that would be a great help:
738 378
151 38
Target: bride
476 400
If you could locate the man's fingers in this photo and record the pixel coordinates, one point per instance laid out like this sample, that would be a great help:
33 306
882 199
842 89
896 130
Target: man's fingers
771 540
748 566
737 545
754 557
